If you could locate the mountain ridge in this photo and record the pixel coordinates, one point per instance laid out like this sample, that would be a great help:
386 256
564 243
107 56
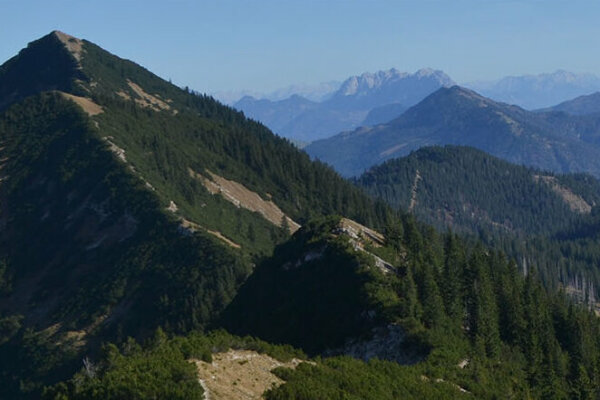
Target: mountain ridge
97 153
553 141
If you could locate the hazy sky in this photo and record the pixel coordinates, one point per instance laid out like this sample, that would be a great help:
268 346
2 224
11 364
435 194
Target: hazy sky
263 45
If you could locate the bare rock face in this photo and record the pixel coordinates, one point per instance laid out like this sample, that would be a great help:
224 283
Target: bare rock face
386 343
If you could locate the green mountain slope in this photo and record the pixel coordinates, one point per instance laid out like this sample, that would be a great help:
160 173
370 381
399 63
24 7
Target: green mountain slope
543 220
128 204
551 141
468 190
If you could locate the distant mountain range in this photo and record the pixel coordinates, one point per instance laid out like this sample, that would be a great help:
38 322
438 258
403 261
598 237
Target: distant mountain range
538 91
301 119
316 92
553 141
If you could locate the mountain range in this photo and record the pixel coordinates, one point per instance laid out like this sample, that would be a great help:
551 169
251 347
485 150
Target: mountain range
538 91
553 141
139 220
314 92
304 120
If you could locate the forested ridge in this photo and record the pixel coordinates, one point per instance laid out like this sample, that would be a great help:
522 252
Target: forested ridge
88 250
541 219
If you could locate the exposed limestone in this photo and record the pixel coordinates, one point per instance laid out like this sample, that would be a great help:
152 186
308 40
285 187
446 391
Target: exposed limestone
311 255
360 236
172 207
119 152
86 104
240 375
243 197
358 231
576 203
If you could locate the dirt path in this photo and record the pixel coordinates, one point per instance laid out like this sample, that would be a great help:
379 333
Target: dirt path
413 191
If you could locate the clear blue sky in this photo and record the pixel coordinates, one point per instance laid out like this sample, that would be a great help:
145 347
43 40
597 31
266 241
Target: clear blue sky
263 45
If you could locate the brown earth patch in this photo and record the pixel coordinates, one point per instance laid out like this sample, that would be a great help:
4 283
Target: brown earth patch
243 197
86 104
145 99
239 375
74 45
576 203
392 149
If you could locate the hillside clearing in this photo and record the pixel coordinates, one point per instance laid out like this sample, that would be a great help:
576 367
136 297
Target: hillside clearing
239 375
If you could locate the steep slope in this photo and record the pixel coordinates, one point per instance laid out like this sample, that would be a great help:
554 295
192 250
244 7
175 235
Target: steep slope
582 105
468 190
550 141
291 298
302 120
538 91
128 204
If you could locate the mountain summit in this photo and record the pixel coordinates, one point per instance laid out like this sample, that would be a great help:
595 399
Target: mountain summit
392 86
129 203
376 97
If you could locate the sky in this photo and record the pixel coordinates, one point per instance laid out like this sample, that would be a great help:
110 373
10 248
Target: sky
220 46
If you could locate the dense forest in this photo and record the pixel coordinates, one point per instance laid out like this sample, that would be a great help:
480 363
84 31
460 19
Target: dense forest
539 218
